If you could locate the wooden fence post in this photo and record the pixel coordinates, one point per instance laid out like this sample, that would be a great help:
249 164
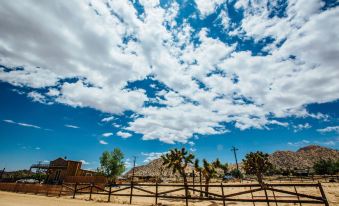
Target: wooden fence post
252 196
200 184
295 190
131 194
193 181
186 193
323 194
268 203
156 193
75 189
223 195
90 192
47 190
62 186
110 191
36 189
276 203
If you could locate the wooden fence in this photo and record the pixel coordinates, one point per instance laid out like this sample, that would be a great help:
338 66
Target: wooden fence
270 193
224 193
86 179
48 190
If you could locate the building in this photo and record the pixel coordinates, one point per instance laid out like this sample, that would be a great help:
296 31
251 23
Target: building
57 170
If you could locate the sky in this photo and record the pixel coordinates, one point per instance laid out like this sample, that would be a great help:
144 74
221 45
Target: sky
81 77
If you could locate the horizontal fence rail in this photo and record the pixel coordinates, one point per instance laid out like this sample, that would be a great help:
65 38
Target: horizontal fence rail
255 193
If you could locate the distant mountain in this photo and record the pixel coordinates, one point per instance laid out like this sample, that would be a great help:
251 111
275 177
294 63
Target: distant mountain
303 158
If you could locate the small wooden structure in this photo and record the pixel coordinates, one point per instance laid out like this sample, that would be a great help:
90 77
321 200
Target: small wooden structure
60 168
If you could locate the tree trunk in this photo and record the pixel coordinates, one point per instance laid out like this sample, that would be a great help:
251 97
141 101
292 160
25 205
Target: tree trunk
260 180
206 186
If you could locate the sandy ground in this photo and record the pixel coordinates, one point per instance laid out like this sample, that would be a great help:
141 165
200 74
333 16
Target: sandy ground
15 199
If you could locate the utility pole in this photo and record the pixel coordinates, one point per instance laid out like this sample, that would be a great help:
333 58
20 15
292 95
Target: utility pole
134 159
235 156
2 172
132 183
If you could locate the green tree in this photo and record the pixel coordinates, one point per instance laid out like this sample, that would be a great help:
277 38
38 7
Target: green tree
178 160
326 167
208 171
236 173
224 166
257 163
111 164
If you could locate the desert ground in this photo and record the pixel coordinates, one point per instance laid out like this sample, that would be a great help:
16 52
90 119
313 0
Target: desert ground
16 199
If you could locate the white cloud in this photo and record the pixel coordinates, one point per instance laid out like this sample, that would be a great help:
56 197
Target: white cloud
9 121
71 126
84 162
283 124
89 48
208 7
300 127
107 119
225 20
124 134
128 163
329 129
107 134
53 92
325 142
103 142
21 124
149 156
36 97
191 143
299 143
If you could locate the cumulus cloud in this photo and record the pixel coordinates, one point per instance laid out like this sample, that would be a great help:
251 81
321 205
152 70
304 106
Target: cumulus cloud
88 58
21 124
208 7
107 134
124 134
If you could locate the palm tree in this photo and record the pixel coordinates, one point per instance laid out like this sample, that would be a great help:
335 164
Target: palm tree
178 160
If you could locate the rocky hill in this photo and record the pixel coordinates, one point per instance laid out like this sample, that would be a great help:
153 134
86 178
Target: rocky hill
154 169
303 158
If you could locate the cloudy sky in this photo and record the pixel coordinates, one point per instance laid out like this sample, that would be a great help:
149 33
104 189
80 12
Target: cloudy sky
81 77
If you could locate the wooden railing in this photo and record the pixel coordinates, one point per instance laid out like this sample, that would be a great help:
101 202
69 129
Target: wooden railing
255 193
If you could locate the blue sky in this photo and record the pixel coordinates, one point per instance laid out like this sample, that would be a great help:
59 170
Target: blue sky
81 77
